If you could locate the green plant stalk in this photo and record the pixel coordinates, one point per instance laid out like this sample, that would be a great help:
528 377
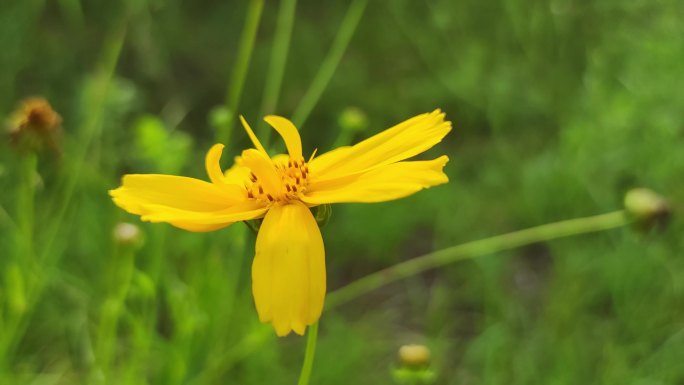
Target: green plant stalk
239 74
26 206
439 258
476 249
91 128
123 261
311 337
17 272
276 68
330 63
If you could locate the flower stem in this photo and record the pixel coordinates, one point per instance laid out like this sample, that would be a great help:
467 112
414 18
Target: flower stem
239 74
311 337
276 68
476 249
329 65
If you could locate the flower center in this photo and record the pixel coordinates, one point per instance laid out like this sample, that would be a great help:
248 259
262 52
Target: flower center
293 180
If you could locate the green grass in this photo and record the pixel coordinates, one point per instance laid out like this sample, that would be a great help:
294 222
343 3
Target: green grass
559 107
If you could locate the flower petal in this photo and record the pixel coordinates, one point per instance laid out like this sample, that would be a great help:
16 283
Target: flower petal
139 190
188 226
400 142
288 273
243 211
187 203
252 135
211 163
384 183
290 135
238 173
263 168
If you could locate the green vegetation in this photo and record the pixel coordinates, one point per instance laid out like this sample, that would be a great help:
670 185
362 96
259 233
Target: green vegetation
559 108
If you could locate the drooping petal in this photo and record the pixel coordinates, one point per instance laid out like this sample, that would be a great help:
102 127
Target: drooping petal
252 135
290 135
288 273
243 211
188 226
183 202
211 163
400 142
139 190
384 183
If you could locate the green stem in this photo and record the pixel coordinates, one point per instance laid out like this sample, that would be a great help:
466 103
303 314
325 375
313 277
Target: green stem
276 68
90 129
329 65
26 205
476 249
311 338
121 272
239 74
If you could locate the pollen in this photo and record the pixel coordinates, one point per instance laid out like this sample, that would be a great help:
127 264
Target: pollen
293 177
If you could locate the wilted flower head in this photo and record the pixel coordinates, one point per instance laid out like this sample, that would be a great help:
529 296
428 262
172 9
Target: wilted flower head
34 125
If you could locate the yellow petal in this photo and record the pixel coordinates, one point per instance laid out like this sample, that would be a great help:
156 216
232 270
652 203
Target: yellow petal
211 163
288 273
188 226
238 173
400 142
140 190
252 135
384 183
183 202
243 211
289 133
263 168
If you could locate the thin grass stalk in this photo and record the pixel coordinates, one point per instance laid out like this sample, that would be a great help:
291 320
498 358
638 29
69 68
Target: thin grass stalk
91 129
240 69
330 63
276 68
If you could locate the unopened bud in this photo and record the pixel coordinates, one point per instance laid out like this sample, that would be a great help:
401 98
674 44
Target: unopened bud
353 119
219 116
647 207
414 356
35 125
414 368
127 234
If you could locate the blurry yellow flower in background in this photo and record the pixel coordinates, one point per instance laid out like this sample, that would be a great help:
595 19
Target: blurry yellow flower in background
288 272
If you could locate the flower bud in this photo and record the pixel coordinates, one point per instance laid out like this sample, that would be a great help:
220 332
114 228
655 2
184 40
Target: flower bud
219 116
353 119
414 356
127 234
34 126
647 207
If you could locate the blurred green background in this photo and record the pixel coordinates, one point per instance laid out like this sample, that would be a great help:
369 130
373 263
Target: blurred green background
559 107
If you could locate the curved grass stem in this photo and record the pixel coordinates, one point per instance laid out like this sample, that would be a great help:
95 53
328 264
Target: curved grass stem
476 249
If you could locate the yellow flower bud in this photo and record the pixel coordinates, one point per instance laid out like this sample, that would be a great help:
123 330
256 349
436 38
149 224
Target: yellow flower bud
647 207
414 356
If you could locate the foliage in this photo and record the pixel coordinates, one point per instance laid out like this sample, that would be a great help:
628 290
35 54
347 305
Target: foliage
559 107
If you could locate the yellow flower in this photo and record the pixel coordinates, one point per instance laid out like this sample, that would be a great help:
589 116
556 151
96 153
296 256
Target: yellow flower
288 272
